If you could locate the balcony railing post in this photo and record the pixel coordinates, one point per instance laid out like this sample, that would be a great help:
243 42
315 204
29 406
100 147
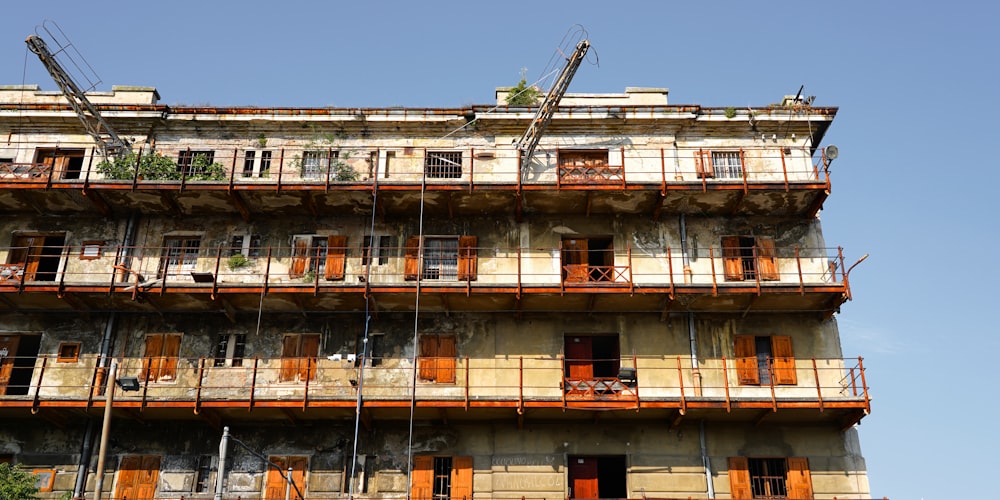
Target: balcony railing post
680 384
38 385
819 391
798 262
770 379
725 378
784 169
864 385
715 284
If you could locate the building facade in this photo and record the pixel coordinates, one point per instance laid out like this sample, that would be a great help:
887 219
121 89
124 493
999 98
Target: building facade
383 302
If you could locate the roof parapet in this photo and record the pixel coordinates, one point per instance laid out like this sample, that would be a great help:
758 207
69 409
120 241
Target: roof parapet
119 94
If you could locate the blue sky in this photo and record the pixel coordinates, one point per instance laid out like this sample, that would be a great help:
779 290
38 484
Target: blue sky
915 83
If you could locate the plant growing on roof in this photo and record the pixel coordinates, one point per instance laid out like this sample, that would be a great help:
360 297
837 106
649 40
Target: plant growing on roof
318 159
237 261
523 95
730 112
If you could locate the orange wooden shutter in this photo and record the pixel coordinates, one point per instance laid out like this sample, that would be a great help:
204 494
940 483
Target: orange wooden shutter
467 258
151 359
731 261
446 352
8 342
336 257
767 267
746 359
799 480
289 358
575 260
171 348
412 258
300 256
422 477
739 478
145 485
703 163
60 167
461 478
274 489
427 363
128 476
307 357
784 360
298 465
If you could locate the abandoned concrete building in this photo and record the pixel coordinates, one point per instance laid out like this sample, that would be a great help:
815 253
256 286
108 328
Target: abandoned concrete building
394 303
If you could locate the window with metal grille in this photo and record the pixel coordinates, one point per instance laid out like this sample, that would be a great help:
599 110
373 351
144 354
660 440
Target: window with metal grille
247 245
203 483
440 259
727 164
442 478
180 255
443 164
187 165
377 250
316 164
768 477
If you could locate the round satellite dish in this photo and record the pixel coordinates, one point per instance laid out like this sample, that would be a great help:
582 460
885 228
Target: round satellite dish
832 152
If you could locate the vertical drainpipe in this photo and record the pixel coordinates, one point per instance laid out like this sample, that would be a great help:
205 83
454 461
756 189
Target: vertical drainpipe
685 259
81 469
706 462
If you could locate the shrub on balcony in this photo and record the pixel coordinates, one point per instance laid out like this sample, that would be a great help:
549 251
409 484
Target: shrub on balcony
153 166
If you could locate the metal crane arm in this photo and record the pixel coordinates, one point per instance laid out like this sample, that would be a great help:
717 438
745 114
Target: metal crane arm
104 135
529 141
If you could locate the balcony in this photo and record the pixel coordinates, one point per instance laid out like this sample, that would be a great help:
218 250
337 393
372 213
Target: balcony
474 279
759 180
825 389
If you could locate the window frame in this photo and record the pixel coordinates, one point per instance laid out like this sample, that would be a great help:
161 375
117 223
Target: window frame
72 357
742 261
229 350
161 365
705 165
444 164
437 358
748 360
185 160
178 260
466 259
797 480
423 472
296 364
91 249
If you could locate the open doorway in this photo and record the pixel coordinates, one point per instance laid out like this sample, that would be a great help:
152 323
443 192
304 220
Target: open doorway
592 364
17 362
38 255
597 477
67 163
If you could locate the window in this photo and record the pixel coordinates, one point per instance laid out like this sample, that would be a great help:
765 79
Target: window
247 245
254 168
44 479
190 163
588 259
721 164
230 349
248 163
159 360
298 357
180 255
758 357
441 478
203 476
443 165
66 163
376 346
91 250
436 362
770 478
316 164
69 352
379 253
747 258
315 254
445 258
37 255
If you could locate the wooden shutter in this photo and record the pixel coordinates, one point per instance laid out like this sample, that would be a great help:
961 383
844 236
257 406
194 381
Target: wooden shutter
739 478
308 352
146 479
799 480
579 358
411 267
703 163
427 362
746 359
575 260
168 364
446 351
731 261
336 257
467 258
128 476
767 267
461 478
274 489
422 477
9 342
289 358
784 360
60 167
298 465
151 360
300 256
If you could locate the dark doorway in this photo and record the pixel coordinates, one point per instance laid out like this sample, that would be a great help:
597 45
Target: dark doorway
597 477
17 365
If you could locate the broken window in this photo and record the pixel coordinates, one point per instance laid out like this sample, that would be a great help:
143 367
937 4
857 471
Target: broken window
191 163
770 478
316 164
36 257
720 164
588 259
230 349
441 478
760 357
377 250
437 358
587 166
247 245
203 475
298 357
319 254
445 258
69 352
443 164
159 359
66 163
747 258
180 255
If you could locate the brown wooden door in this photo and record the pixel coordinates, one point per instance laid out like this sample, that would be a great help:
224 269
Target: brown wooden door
575 260
8 350
137 477
336 257
579 358
274 489
799 479
583 477
422 477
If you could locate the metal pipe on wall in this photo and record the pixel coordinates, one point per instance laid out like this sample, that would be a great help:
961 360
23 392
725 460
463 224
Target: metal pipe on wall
706 462
685 258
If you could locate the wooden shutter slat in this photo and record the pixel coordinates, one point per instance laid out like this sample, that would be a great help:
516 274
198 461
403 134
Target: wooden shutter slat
745 351
289 358
308 353
447 352
427 362
784 360
799 479
703 163
411 259
275 486
336 257
151 358
171 349
739 478
467 258
731 261
767 266
422 476
300 256
461 478
128 476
